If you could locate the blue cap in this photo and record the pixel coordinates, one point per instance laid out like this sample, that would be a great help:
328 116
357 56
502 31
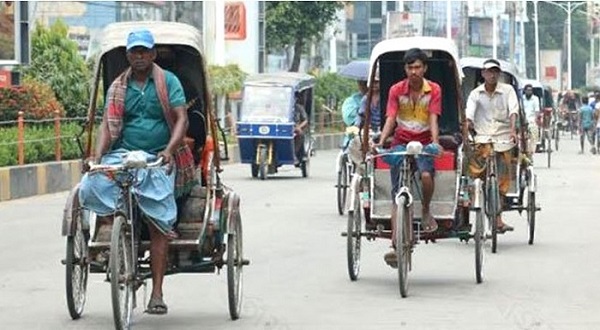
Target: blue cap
141 37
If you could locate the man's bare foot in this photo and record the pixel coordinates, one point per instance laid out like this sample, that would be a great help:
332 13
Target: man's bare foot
428 222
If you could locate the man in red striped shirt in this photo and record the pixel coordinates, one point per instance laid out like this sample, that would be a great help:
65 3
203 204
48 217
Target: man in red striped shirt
413 107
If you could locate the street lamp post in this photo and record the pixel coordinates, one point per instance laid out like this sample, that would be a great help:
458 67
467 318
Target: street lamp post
569 8
537 40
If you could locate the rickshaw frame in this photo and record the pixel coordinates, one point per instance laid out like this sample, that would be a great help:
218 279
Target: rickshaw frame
524 179
179 50
443 59
545 118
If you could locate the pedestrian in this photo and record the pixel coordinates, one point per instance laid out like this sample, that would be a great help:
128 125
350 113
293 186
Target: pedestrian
586 125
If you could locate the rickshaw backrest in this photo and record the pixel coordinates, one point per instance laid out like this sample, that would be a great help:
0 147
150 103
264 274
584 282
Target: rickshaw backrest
441 67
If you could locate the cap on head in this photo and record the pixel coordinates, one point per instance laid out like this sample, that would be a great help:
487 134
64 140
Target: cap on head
140 38
491 63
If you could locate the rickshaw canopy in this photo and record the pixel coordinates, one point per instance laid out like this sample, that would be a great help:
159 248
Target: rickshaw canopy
427 44
511 75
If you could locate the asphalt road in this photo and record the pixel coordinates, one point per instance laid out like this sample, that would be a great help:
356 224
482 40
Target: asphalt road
298 277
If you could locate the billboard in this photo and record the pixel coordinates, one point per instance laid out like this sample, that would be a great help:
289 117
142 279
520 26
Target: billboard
550 68
403 24
8 36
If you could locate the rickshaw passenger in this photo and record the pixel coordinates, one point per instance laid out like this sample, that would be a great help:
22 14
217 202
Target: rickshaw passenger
375 108
352 104
301 121
135 119
531 107
413 107
492 111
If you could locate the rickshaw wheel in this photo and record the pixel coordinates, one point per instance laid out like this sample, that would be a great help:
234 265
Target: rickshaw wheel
254 170
531 216
493 205
121 274
353 238
342 186
479 239
234 267
77 271
556 138
403 244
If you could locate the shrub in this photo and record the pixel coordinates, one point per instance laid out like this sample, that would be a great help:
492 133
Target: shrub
35 99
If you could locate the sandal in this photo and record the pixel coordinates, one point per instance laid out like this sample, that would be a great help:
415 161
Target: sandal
504 228
157 306
429 226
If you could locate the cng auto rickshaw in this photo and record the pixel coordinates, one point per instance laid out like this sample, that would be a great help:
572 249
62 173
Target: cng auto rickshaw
523 184
370 194
209 220
265 130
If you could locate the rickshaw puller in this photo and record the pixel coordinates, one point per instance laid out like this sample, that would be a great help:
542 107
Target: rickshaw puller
145 110
413 107
492 111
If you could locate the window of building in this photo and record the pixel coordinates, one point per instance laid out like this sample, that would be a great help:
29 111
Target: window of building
375 9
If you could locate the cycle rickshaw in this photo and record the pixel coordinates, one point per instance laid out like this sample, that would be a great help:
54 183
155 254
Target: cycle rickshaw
209 219
370 189
523 184
544 120
265 129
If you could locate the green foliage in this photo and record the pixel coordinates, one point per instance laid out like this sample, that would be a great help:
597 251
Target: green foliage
552 23
34 98
226 79
333 89
56 61
294 23
39 143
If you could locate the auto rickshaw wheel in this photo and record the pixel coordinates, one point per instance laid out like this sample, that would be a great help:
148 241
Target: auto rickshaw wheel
304 167
254 170
235 265
262 165
479 239
77 270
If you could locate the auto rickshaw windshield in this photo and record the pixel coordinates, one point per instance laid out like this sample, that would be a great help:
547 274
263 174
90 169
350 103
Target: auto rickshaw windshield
267 104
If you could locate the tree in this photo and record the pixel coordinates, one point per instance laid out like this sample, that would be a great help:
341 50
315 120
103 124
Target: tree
294 23
56 61
552 28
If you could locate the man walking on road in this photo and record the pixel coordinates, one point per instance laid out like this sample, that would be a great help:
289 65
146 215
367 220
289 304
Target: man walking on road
586 125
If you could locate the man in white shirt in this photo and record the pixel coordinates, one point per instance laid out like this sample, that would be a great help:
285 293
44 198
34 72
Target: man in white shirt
492 111
532 108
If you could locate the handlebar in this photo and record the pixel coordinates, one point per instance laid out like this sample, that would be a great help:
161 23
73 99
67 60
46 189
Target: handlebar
125 166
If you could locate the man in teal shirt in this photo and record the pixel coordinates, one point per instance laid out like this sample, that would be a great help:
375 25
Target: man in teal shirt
586 125
135 120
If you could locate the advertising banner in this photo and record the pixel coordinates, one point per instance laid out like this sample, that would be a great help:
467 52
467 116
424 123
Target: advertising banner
550 68
403 24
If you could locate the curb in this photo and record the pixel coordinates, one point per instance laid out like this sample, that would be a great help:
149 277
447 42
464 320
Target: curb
53 177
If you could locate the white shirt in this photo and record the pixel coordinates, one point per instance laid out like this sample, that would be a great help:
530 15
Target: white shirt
491 113
531 107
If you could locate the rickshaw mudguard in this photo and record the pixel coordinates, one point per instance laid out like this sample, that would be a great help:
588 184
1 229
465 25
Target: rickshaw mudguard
68 212
354 189
231 203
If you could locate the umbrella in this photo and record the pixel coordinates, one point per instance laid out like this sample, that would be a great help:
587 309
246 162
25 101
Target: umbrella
358 70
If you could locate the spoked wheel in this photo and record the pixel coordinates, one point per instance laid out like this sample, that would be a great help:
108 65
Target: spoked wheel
353 238
531 209
556 138
77 270
342 186
479 239
121 274
548 140
262 165
403 244
493 209
235 253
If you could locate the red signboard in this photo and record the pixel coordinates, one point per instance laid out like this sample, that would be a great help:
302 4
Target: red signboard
5 80
551 72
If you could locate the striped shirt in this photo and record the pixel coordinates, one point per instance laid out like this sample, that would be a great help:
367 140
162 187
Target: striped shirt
412 118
